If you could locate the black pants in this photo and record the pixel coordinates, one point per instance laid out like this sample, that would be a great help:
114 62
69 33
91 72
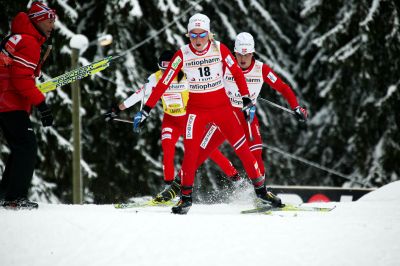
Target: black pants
17 176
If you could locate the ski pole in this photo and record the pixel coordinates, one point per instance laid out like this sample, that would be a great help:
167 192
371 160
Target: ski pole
123 120
277 106
48 50
250 133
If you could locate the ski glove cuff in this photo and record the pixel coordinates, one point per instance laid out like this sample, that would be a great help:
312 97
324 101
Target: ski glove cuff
249 109
301 114
46 115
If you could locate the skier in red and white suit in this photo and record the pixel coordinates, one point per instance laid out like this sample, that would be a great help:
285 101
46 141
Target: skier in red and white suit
174 101
203 61
256 74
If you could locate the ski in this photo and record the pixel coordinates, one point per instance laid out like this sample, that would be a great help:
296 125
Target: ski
18 208
18 205
149 203
287 208
73 75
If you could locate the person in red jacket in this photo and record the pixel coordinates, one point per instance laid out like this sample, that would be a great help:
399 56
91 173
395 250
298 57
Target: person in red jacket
203 61
19 64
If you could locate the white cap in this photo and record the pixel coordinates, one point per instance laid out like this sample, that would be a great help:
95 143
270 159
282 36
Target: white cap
199 21
244 43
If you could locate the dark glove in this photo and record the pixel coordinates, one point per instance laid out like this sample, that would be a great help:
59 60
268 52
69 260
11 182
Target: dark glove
249 109
45 114
112 113
301 114
139 119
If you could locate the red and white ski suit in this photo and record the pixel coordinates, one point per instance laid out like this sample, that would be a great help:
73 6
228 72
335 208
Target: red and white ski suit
256 75
174 101
208 103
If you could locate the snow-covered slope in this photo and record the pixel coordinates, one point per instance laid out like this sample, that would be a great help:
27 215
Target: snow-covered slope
365 232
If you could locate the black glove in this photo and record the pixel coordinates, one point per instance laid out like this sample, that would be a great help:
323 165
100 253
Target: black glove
249 109
112 112
301 114
45 114
140 118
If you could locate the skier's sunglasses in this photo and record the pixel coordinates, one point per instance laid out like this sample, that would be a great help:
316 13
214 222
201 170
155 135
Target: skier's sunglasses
200 35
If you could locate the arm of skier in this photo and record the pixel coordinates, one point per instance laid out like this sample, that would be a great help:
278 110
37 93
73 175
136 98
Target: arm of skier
162 85
140 94
277 84
115 108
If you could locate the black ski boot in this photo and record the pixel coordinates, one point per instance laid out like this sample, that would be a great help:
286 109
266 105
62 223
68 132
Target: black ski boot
19 204
169 193
267 198
183 205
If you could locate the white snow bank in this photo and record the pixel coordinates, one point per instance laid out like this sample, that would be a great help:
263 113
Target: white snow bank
389 192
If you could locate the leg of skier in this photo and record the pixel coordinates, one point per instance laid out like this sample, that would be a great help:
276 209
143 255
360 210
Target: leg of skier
226 166
237 139
255 144
195 126
170 134
172 129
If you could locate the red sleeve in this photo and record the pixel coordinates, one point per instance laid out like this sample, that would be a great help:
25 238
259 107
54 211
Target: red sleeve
168 76
230 62
26 53
276 83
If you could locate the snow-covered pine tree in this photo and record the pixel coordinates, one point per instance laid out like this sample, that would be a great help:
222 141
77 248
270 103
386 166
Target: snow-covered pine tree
347 62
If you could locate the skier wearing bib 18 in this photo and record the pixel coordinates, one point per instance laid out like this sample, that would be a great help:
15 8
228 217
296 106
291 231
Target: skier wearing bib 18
174 101
203 61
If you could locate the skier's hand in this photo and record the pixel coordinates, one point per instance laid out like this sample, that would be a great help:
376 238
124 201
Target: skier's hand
112 113
301 114
45 114
249 109
138 120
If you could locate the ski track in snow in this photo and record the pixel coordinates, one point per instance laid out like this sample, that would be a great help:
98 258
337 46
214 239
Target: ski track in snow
364 232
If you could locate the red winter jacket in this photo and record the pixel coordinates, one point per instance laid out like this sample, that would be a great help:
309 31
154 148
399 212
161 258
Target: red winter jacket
17 80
